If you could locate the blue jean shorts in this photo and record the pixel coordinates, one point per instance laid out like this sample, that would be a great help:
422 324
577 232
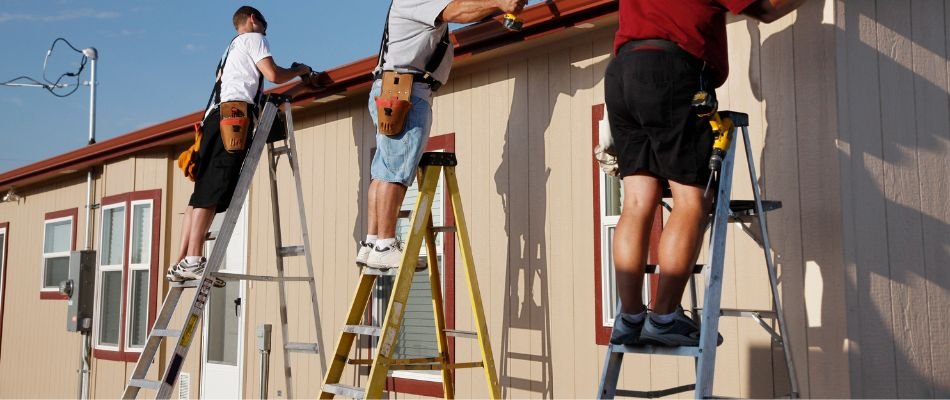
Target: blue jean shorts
397 156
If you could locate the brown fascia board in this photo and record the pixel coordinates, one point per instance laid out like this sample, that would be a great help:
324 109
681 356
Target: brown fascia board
539 20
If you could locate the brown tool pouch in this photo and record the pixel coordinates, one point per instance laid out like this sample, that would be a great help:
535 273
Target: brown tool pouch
234 123
392 104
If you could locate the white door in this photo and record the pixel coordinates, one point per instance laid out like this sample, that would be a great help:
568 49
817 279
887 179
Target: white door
223 355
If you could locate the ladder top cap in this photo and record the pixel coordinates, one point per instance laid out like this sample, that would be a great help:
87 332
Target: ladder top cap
439 158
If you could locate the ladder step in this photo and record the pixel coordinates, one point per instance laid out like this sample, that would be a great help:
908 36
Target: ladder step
653 268
683 351
186 284
363 330
280 150
166 333
380 272
302 347
344 390
145 384
263 278
291 251
457 333
444 229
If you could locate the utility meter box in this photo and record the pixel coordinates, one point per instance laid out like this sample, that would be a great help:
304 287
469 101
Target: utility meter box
80 289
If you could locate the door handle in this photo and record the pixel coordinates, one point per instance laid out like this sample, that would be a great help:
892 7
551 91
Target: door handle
237 303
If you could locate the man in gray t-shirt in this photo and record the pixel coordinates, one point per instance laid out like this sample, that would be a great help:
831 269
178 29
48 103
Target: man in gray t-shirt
414 29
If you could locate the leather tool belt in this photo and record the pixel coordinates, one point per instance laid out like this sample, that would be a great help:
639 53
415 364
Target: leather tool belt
393 103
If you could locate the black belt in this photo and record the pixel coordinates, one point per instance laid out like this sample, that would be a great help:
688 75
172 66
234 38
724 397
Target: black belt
433 83
665 45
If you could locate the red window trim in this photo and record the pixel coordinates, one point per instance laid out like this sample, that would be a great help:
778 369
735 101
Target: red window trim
54 294
3 274
601 331
127 198
445 142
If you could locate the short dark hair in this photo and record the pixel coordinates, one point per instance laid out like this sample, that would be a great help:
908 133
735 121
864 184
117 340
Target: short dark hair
246 11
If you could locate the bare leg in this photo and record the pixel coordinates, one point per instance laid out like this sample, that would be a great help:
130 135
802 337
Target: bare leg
679 244
632 238
200 221
372 227
389 197
185 229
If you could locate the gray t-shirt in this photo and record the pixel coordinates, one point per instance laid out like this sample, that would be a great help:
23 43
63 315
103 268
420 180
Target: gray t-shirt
414 34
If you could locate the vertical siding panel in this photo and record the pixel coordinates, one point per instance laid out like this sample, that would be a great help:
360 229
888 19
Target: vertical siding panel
477 207
464 349
821 211
874 332
582 205
902 194
931 90
495 262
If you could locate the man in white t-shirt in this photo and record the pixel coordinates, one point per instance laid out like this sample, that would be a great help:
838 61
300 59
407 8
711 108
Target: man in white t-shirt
413 33
245 64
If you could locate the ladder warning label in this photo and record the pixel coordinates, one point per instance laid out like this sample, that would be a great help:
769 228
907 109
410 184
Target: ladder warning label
189 330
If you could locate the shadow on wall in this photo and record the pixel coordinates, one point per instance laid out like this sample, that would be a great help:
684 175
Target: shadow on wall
521 181
861 195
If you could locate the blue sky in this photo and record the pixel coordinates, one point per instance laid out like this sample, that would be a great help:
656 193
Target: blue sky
156 60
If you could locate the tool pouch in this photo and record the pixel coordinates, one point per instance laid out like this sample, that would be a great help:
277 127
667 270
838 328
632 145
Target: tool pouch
188 159
234 123
393 104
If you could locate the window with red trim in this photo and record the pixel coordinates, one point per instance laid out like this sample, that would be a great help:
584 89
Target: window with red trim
59 238
4 238
417 338
127 272
608 199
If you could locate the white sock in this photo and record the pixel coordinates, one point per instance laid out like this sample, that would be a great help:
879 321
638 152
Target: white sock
192 259
663 318
371 239
384 243
634 318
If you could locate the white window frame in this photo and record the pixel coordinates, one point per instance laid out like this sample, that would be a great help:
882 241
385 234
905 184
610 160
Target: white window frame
147 252
3 264
108 268
43 287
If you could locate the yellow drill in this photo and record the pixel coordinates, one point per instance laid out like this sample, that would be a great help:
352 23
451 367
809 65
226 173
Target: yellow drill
512 22
720 129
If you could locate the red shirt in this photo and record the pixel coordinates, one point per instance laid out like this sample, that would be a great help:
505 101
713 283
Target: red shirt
697 26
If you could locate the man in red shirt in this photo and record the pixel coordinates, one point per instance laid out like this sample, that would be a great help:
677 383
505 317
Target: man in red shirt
666 51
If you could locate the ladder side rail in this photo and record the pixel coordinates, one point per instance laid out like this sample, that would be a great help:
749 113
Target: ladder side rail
713 274
281 287
438 312
392 324
465 248
361 296
305 235
218 253
154 342
610 374
770 265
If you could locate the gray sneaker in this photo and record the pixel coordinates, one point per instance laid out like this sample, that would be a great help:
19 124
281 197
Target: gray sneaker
681 331
625 332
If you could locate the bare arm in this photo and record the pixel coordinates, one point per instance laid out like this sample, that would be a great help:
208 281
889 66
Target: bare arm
278 74
771 10
467 11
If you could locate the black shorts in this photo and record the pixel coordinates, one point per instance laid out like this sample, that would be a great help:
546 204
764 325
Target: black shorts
218 170
648 94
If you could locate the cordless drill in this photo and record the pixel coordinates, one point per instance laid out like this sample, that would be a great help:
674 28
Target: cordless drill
720 129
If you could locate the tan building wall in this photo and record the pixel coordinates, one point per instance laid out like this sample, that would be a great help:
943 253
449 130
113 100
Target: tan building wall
848 105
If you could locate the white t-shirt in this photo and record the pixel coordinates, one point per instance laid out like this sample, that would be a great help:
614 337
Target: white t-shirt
240 79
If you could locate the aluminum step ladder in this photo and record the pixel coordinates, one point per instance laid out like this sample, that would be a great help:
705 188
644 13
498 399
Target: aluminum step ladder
725 212
421 230
160 331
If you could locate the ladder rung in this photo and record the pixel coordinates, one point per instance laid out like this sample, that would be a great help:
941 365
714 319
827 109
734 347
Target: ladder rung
185 284
437 229
685 351
166 333
729 312
302 347
291 251
655 394
264 278
281 150
456 333
145 384
362 330
404 213
344 390
380 272
653 268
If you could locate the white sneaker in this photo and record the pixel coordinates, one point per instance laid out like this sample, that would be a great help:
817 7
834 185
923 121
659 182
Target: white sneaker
391 257
363 253
185 271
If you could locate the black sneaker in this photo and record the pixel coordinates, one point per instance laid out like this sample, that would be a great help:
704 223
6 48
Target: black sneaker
625 332
681 331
